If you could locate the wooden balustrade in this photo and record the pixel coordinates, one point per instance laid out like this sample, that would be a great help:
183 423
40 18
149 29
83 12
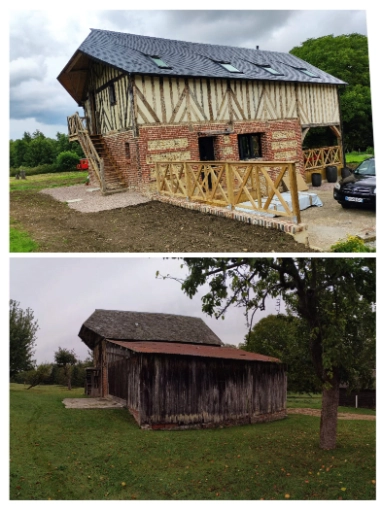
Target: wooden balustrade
316 159
248 186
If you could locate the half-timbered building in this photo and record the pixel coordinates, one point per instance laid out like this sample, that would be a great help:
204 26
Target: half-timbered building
172 371
148 100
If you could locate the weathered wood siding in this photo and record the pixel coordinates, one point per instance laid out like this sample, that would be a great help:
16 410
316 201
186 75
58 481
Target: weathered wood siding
152 100
179 391
124 376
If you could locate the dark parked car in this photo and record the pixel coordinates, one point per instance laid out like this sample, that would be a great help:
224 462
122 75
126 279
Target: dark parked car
359 187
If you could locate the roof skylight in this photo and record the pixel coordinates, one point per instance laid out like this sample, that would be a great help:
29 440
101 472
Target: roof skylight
229 67
308 73
269 69
159 62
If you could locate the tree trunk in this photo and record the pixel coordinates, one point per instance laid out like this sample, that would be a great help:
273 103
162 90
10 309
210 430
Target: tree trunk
328 425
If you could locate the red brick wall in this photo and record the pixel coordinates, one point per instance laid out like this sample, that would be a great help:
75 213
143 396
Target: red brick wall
281 140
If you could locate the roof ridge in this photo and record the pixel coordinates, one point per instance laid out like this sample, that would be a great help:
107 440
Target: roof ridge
214 45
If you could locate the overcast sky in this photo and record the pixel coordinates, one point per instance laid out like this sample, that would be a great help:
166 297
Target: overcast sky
43 41
64 292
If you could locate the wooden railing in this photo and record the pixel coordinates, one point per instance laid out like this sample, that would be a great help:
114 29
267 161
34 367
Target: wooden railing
315 159
248 186
77 131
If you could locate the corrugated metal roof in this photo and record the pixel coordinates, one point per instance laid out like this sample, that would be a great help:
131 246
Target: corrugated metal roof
142 326
204 351
130 53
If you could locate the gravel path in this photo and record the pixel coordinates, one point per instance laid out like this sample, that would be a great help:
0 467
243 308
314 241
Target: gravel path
88 200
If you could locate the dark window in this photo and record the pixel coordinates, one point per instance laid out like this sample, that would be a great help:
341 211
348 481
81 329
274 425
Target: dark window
112 94
127 150
249 146
159 62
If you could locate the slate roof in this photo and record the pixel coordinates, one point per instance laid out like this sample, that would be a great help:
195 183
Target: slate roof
204 351
140 326
129 53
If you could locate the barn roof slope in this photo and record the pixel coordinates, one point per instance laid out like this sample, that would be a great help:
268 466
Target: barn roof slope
132 54
142 326
204 351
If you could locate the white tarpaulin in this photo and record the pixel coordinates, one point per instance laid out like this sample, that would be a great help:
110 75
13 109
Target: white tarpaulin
305 200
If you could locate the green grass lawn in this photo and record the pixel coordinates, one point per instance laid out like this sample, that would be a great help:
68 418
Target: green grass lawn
356 157
20 241
93 454
44 181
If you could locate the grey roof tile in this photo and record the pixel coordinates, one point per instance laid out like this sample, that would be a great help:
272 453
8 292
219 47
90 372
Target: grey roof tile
141 326
129 53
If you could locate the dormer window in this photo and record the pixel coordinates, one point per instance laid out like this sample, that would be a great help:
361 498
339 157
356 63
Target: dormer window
270 69
159 62
229 67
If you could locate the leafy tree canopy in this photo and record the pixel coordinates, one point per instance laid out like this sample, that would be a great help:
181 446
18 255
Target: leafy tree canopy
334 297
22 336
281 336
346 57
66 359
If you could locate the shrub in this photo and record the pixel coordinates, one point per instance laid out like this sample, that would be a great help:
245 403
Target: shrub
67 160
351 245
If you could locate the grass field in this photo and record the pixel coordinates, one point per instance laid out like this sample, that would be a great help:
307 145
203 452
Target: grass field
70 454
356 157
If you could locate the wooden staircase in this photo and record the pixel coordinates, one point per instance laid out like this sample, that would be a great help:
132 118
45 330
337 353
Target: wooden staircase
101 162
113 177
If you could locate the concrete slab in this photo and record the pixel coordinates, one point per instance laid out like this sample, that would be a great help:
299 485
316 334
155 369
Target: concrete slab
91 403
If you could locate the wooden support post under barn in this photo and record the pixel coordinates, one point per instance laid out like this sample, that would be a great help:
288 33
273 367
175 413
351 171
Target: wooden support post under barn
173 372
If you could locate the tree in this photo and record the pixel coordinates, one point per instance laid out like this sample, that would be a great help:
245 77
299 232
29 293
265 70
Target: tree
280 336
67 160
66 359
335 297
346 57
38 375
22 338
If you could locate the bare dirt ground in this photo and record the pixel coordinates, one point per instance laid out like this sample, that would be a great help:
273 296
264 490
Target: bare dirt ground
341 416
151 227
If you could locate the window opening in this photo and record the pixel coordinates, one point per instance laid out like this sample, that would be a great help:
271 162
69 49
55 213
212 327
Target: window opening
249 146
112 94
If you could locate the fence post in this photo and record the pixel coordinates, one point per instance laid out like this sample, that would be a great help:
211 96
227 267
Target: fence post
229 177
188 184
294 192
158 176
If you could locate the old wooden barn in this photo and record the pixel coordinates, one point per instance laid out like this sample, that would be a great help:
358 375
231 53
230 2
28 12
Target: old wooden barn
172 371
150 103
